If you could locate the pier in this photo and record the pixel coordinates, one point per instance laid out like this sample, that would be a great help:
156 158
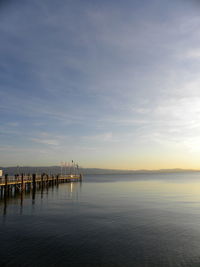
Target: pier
22 182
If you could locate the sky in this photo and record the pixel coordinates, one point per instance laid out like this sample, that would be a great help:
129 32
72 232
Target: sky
109 84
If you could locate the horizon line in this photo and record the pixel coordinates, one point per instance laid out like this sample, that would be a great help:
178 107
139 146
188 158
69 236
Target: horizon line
109 169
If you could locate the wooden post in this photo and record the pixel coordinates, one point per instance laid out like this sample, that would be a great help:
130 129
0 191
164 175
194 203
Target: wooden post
6 184
22 182
42 178
34 180
1 191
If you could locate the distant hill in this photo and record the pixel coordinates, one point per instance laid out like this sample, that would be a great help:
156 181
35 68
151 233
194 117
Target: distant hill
57 169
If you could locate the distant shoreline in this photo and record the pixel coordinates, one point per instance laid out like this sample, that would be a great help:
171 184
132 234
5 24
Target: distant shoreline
56 169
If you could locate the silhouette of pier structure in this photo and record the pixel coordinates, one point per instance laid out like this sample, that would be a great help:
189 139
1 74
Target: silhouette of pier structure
22 182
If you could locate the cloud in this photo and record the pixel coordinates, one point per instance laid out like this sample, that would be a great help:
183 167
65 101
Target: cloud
193 54
104 137
46 141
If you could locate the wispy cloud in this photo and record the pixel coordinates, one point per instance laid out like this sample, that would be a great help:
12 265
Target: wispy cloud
45 141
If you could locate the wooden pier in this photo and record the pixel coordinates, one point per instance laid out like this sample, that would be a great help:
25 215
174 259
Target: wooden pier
22 182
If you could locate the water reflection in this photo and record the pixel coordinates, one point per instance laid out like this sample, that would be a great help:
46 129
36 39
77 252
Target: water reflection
138 222
5 205
31 196
73 190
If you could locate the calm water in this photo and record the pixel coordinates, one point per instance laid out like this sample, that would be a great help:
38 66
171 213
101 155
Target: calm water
107 220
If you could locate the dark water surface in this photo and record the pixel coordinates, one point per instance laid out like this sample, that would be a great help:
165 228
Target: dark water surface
107 220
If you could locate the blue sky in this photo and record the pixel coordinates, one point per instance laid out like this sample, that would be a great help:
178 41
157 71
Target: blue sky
111 84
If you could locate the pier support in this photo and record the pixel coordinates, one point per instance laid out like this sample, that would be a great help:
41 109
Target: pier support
22 182
34 181
6 184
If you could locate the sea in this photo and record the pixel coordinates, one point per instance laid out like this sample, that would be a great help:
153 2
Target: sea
105 220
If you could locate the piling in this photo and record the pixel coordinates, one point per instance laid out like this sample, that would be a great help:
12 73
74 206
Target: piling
22 182
6 184
34 181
